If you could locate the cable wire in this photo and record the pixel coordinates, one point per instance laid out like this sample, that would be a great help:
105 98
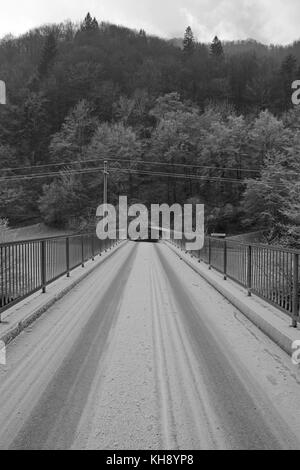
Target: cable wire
142 162
129 170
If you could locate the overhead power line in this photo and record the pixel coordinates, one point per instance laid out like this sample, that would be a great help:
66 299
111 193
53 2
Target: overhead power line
127 170
121 160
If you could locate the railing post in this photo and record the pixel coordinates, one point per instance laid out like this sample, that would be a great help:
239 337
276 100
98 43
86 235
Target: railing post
82 250
93 249
184 244
295 291
249 270
43 266
68 256
209 253
225 260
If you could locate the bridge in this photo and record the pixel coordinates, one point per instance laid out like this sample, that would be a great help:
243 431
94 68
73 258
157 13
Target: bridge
122 345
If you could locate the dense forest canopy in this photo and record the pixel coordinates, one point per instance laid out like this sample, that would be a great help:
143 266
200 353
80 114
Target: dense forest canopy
177 120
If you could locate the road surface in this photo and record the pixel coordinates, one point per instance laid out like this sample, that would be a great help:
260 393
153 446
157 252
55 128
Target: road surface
144 354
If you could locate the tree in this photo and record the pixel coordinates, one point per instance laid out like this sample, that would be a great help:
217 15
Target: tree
188 41
168 104
216 48
61 200
76 132
48 55
288 73
89 24
174 142
14 202
134 111
266 134
116 141
272 201
35 129
7 158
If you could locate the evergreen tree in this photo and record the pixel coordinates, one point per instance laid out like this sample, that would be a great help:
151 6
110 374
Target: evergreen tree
288 73
216 48
35 128
289 65
48 55
89 24
189 41
95 24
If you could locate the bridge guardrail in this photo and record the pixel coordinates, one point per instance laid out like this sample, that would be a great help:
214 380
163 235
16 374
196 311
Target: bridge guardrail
271 273
29 266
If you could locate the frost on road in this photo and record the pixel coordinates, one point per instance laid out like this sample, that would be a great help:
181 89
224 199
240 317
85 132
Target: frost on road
143 354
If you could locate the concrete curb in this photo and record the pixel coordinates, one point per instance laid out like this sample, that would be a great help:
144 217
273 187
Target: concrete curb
17 327
272 322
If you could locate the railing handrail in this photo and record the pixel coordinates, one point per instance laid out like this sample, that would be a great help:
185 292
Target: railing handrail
27 266
271 272
37 240
257 245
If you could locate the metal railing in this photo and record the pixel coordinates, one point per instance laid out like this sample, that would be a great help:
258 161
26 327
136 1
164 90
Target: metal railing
269 272
29 266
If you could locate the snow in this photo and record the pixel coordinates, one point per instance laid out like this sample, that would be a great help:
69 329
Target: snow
167 363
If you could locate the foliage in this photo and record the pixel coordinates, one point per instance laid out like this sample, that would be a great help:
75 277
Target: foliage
189 41
272 202
48 55
214 123
216 48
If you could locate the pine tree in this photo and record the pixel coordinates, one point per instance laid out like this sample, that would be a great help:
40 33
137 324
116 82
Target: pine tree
48 55
89 24
143 35
289 65
288 73
188 41
95 24
216 48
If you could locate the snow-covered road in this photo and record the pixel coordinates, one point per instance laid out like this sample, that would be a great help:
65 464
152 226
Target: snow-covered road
144 354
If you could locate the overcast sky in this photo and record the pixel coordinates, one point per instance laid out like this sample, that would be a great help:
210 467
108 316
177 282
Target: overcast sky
269 21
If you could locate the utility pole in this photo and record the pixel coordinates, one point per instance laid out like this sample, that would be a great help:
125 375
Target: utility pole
105 173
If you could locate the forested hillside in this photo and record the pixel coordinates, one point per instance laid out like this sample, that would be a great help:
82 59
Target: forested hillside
177 120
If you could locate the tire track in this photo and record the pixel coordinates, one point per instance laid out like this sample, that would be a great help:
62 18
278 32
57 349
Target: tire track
183 396
36 393
245 415
168 427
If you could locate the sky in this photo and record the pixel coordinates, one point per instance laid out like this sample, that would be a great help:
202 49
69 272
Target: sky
267 21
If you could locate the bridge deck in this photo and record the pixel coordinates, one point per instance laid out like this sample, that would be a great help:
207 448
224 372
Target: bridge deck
144 354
